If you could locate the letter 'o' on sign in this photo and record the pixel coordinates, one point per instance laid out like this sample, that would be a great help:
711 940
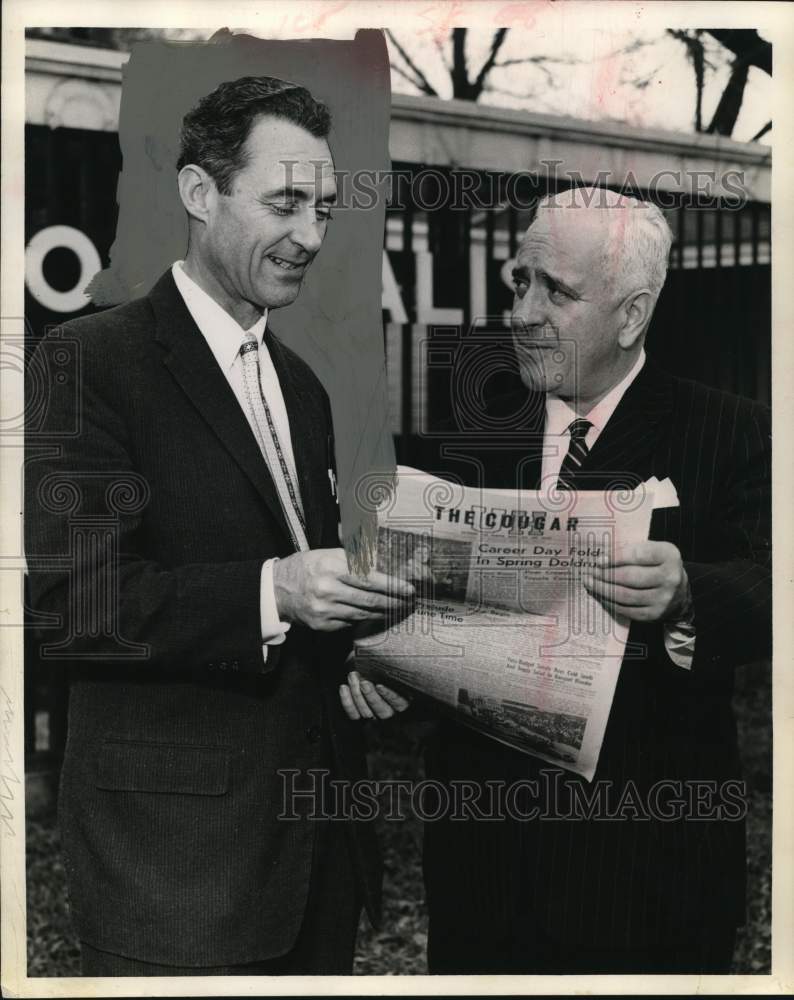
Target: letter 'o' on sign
49 239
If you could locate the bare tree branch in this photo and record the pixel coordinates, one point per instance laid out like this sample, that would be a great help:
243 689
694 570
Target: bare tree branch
763 131
697 56
537 60
442 55
420 81
749 49
730 103
627 50
407 76
641 83
504 92
746 44
463 87
496 43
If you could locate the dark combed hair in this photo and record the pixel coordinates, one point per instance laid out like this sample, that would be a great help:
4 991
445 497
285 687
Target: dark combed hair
215 131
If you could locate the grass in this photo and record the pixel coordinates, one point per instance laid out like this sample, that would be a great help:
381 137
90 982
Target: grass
399 947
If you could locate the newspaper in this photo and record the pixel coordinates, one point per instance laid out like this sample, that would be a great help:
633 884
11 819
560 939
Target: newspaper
503 632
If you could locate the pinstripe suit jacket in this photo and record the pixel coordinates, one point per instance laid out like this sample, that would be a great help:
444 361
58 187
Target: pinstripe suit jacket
149 513
627 881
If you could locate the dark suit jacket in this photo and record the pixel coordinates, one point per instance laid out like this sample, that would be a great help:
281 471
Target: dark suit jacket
146 528
624 883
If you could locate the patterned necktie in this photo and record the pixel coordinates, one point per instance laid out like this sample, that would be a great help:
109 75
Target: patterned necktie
270 445
577 451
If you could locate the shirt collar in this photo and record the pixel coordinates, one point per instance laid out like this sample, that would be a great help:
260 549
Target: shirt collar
224 334
559 414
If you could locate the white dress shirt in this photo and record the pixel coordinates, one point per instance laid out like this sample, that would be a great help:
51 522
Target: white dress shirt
225 337
679 638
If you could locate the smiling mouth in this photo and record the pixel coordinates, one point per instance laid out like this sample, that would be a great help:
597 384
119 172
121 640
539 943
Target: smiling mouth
286 265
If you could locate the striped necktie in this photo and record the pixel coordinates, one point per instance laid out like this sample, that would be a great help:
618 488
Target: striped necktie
270 445
577 451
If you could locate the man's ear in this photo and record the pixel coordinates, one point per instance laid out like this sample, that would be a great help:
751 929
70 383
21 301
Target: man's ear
637 310
197 191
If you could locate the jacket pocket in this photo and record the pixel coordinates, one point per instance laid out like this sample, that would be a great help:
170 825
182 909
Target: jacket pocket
177 769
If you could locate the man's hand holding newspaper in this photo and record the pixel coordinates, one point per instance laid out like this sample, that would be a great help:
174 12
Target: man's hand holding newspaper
523 602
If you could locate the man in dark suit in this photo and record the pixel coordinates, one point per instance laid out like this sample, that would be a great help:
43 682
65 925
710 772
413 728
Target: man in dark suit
644 869
183 547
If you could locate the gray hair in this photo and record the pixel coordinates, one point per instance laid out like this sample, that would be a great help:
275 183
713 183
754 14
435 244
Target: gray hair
637 238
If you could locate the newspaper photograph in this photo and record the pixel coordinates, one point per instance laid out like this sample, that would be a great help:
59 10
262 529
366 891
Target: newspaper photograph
503 633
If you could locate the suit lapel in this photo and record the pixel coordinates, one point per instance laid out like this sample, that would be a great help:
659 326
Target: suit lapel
192 364
622 455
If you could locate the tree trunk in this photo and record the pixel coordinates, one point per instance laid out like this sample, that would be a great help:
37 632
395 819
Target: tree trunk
461 87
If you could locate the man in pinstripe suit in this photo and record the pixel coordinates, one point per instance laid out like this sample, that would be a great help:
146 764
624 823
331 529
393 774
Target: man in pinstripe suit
650 876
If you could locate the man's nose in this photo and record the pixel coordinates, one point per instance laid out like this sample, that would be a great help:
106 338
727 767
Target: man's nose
308 231
529 312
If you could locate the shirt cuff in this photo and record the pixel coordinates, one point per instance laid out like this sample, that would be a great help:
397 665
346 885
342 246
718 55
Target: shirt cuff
679 635
274 631
679 641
